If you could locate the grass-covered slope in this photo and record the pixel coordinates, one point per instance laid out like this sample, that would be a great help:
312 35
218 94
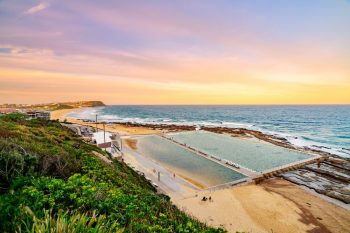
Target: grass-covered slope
51 182
55 106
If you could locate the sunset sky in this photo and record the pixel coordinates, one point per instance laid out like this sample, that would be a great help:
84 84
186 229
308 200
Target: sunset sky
175 52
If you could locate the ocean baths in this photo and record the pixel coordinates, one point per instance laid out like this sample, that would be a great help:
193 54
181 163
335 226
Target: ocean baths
251 154
211 159
183 161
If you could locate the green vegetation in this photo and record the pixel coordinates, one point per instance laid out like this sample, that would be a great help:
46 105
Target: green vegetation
55 106
50 181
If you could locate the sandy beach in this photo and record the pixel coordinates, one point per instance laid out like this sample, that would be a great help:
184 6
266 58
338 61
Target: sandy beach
61 114
275 205
115 128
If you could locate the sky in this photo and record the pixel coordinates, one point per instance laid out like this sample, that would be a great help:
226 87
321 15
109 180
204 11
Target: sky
175 51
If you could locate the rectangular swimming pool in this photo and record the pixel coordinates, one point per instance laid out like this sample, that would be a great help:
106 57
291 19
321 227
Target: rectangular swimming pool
249 153
190 165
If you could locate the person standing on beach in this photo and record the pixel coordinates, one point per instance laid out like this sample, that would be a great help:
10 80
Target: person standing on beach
318 163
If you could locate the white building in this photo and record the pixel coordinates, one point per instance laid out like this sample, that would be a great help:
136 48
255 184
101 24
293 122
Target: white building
38 114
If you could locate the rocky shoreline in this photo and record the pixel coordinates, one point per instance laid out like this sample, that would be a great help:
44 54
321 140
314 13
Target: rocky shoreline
331 178
235 132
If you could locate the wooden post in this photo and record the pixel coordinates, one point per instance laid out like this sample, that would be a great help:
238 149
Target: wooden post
158 176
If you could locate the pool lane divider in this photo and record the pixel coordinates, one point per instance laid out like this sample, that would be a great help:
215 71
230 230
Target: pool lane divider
253 175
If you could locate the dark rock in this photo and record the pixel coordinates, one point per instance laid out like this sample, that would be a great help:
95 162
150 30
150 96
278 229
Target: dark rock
332 181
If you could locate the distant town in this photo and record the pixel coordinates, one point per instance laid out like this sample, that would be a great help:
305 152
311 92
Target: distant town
42 111
54 106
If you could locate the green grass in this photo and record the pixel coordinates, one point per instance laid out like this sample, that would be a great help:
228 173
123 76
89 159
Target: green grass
51 182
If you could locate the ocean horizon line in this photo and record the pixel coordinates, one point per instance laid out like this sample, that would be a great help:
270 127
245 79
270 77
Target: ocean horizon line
228 105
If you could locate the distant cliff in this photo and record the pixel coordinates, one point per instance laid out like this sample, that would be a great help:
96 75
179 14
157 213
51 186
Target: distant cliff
84 104
55 106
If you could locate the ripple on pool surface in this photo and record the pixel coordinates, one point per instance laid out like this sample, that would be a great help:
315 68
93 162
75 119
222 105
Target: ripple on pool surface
186 162
252 154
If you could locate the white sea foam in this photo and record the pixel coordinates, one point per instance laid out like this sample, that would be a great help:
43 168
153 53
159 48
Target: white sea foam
298 141
86 113
303 143
237 125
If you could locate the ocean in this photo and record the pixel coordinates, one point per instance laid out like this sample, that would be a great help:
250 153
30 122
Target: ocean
323 127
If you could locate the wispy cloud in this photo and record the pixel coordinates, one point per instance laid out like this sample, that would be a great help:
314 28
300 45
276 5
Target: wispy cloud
35 9
202 52
20 50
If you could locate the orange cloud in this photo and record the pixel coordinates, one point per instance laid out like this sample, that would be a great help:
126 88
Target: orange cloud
169 53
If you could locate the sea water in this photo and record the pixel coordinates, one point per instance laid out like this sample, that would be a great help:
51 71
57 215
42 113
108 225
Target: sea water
249 153
179 159
324 127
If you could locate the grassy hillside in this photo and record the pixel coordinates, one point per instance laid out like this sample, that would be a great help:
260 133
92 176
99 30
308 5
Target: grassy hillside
51 182
55 106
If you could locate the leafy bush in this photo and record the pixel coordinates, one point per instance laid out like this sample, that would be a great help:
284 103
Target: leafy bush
65 222
16 117
14 161
52 182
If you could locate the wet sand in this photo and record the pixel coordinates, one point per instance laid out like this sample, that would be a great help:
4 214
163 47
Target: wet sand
192 181
132 143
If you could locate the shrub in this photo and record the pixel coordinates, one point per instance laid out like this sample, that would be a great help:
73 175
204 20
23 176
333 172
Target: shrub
14 161
54 183
65 222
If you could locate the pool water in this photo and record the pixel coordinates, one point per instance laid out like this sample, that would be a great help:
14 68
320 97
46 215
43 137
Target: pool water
250 153
179 159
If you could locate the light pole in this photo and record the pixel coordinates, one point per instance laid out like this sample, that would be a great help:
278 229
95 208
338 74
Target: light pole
96 124
104 132
104 136
121 144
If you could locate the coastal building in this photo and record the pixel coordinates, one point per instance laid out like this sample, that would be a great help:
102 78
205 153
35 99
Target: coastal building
7 110
34 114
85 131
108 141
